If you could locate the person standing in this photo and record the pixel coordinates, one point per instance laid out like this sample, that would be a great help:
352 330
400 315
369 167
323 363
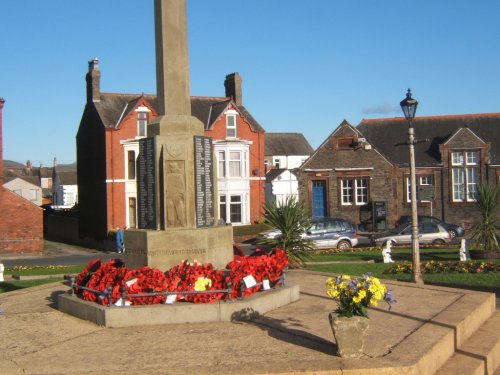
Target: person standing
120 244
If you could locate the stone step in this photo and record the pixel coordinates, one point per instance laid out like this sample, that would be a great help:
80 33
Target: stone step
480 354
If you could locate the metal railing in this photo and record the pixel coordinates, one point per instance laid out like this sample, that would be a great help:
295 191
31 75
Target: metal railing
107 293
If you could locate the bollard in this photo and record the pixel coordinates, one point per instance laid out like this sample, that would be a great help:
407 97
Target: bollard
2 268
386 252
464 256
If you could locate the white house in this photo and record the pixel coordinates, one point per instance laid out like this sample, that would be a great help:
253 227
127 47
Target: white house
65 193
26 189
284 152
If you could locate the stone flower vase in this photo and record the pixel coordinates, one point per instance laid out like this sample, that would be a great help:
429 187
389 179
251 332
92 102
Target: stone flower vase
349 334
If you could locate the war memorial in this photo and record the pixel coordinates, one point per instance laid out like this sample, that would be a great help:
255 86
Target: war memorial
177 205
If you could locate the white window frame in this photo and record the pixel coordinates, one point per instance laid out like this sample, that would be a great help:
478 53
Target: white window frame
142 114
464 175
221 164
235 159
236 200
354 191
231 122
424 180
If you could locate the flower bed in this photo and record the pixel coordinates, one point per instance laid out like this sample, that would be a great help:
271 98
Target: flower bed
447 267
109 282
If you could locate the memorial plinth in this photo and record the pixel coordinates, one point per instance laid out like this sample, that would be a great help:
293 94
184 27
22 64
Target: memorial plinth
177 201
165 249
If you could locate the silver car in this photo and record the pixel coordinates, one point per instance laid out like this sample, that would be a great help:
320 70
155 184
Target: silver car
428 233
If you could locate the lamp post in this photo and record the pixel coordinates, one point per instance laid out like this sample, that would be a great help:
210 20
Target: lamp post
409 107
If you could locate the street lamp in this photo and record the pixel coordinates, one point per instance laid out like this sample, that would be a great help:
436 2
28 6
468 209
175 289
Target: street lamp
409 107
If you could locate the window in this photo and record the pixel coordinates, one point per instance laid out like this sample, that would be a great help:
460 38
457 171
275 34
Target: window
231 126
277 163
465 175
425 187
354 191
234 164
221 170
142 122
222 208
70 198
132 213
131 165
33 194
235 209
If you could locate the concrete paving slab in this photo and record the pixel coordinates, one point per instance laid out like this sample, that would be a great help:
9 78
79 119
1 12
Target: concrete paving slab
413 338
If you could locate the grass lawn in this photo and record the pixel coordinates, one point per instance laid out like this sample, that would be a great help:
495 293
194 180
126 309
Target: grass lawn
475 280
10 285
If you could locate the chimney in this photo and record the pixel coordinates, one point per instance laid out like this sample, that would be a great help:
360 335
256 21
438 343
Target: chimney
2 101
93 79
233 88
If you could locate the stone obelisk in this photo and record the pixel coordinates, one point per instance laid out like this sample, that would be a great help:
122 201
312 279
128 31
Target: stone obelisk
177 201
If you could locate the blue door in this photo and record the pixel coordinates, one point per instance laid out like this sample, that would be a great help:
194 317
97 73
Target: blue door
318 198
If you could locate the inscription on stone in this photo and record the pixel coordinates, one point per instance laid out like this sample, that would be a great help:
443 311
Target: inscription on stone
146 185
204 187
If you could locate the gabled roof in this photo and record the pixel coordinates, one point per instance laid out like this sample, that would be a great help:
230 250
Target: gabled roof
385 133
67 178
33 180
45 172
112 108
287 144
274 173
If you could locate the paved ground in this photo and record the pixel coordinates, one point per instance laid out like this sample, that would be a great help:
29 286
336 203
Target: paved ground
38 339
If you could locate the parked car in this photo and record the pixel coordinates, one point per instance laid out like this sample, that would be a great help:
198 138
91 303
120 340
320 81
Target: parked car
268 235
332 232
428 233
324 233
454 230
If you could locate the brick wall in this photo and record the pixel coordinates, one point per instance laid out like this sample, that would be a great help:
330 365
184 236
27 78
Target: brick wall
21 224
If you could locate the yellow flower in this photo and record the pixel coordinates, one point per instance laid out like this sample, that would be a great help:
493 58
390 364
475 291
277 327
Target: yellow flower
202 283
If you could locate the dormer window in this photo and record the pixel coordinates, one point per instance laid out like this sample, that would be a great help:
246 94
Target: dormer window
142 121
231 124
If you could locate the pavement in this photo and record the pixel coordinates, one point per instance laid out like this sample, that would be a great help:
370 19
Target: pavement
36 338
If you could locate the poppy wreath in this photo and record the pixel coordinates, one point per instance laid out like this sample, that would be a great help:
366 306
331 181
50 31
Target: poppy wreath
263 267
184 276
110 274
145 280
83 277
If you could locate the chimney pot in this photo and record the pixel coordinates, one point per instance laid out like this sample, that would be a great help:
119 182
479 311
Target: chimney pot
232 84
93 79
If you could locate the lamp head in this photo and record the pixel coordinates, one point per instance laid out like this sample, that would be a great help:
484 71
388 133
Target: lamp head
409 106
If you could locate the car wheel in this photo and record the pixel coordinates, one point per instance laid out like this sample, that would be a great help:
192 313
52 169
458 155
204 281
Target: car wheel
452 233
344 245
438 242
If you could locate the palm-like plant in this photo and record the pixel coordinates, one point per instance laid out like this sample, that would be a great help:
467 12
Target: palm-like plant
485 233
289 216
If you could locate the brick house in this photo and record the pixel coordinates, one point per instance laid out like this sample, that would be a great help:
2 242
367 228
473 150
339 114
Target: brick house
363 172
107 150
21 221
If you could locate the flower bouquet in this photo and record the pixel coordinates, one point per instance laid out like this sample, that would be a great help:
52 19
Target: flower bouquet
349 322
355 295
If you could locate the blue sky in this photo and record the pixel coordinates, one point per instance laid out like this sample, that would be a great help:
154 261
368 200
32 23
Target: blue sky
306 65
